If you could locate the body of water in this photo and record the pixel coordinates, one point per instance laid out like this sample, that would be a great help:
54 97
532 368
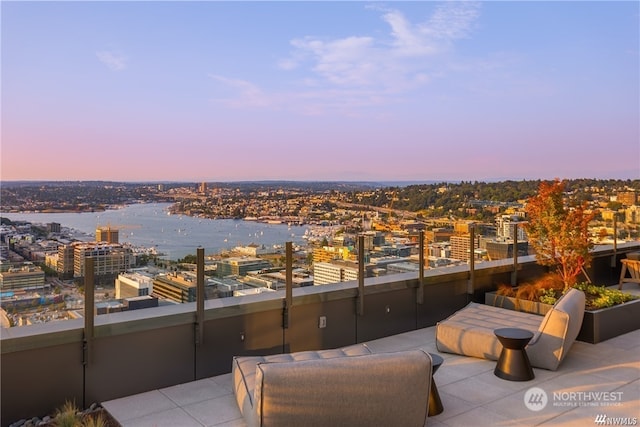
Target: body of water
175 236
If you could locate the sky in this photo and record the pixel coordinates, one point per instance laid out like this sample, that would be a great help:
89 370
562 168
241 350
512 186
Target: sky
330 90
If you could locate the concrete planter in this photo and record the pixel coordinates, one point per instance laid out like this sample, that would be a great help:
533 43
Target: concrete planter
598 325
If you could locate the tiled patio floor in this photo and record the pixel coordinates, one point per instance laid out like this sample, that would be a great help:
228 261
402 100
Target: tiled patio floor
471 394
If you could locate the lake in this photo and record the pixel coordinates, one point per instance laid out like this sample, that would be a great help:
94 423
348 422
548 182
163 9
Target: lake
176 236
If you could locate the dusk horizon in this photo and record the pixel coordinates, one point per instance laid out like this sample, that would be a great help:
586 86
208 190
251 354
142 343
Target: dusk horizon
320 91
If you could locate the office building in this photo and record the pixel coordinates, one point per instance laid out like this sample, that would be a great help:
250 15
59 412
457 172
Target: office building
176 287
461 247
504 249
26 276
107 234
130 285
505 224
64 264
109 259
338 271
240 266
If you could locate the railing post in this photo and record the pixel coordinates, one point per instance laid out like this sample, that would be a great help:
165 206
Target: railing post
514 274
615 240
472 261
89 308
360 307
420 294
199 336
89 312
288 300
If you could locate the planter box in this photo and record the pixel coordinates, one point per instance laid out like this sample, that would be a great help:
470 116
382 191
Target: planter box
597 326
600 325
511 303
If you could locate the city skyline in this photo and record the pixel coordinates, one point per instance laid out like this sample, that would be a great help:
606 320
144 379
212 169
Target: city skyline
320 91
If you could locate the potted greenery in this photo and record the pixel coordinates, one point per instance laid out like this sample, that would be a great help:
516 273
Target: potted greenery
559 235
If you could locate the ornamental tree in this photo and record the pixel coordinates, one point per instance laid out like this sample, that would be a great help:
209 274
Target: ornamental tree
558 233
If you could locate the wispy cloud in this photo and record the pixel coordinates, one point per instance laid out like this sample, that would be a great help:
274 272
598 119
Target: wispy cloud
114 60
246 94
364 69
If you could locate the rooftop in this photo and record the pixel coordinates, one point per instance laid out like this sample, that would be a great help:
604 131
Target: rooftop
471 394
169 365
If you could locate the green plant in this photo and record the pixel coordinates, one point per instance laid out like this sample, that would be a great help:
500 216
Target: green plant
600 297
547 292
94 421
67 415
548 296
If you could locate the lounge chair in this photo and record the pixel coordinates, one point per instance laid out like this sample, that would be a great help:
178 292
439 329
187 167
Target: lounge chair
469 331
343 387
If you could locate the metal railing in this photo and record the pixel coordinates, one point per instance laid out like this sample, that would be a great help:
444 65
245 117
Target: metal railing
115 355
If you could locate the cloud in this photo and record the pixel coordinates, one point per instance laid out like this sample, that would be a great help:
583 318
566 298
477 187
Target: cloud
356 72
247 94
114 60
394 62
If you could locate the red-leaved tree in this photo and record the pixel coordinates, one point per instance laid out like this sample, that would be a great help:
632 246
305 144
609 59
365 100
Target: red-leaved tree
558 233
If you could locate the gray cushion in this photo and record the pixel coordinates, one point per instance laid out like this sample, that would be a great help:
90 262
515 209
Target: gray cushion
244 370
335 388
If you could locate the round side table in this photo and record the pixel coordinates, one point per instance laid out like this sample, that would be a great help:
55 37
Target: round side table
513 364
435 404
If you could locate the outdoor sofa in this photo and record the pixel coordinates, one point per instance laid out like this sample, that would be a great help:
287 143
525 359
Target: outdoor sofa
341 387
469 331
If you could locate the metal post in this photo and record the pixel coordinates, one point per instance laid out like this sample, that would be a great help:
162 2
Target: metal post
514 275
615 240
361 275
89 308
420 294
288 284
472 260
199 296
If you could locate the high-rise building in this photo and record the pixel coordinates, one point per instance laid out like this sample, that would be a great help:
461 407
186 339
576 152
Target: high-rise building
202 187
65 260
109 259
461 247
107 234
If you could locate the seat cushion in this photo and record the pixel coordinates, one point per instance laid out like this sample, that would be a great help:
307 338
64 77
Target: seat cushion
470 331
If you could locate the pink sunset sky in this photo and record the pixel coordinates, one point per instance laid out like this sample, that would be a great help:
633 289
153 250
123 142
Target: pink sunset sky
226 91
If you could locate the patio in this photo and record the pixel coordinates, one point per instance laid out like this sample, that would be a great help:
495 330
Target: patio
471 394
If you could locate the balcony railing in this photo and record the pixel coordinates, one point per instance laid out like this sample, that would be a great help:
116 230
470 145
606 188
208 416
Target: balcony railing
125 353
